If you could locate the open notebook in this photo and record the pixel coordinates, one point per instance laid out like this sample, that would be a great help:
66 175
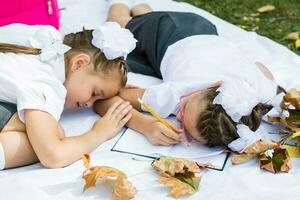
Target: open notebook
135 143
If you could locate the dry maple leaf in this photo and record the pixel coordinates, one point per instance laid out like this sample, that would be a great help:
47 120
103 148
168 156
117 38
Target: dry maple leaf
267 8
168 166
259 147
293 98
253 151
279 161
123 189
179 174
242 158
179 188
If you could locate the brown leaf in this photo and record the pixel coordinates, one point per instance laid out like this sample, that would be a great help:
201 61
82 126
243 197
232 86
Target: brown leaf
123 189
178 188
293 36
279 161
94 173
86 161
168 166
267 8
293 97
242 158
179 174
259 147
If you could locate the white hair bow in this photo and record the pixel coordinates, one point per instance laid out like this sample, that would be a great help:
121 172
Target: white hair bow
113 40
50 43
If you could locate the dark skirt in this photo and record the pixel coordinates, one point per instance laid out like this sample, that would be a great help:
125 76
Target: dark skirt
7 110
156 31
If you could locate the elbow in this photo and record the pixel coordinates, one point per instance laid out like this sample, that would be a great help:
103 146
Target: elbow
54 160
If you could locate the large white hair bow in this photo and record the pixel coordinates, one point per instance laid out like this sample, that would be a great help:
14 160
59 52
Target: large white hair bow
113 40
239 96
50 42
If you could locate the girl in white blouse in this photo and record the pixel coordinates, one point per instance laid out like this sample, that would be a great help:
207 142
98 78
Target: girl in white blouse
41 73
184 50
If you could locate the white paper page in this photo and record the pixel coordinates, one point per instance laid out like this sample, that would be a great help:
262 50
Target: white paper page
135 143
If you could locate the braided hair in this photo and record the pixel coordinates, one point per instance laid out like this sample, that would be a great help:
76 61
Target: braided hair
217 128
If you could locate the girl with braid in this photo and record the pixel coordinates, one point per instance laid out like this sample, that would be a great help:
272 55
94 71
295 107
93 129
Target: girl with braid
207 83
41 73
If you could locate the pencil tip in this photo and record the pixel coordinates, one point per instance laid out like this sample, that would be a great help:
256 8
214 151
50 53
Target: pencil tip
139 100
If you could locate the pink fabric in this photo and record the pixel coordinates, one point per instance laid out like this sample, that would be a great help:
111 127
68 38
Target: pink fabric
31 12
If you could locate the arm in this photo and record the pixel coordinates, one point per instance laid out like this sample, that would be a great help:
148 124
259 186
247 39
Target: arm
53 151
155 132
131 95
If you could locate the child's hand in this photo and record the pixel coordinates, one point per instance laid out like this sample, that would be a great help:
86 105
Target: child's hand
114 119
159 134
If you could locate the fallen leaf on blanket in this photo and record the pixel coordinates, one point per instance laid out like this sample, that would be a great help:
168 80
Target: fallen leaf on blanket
168 166
292 98
276 161
123 189
179 174
267 8
242 158
293 36
253 151
179 187
259 147
93 173
294 151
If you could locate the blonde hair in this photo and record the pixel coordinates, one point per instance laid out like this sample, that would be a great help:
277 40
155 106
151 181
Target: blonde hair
79 42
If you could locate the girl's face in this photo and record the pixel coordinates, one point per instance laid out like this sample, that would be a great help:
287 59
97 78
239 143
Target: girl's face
85 86
190 108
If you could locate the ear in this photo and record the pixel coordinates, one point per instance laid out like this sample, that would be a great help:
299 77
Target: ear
79 60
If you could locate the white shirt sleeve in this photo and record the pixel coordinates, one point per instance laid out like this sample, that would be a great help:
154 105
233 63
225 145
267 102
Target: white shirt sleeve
163 98
45 96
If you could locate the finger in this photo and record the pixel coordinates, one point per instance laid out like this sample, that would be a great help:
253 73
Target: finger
174 127
165 139
164 143
170 134
120 108
125 119
114 106
123 113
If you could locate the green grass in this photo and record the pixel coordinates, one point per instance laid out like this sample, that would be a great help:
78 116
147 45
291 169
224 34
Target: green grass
274 25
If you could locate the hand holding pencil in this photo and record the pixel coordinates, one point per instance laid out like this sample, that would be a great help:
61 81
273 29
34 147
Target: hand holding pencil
171 135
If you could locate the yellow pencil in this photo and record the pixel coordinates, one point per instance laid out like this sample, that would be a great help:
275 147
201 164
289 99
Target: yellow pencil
154 114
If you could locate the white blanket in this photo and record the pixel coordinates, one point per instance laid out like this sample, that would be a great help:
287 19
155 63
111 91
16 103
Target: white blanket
244 181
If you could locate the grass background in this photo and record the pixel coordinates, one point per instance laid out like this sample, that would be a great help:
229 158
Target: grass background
275 25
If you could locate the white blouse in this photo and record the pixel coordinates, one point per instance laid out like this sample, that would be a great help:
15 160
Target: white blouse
33 81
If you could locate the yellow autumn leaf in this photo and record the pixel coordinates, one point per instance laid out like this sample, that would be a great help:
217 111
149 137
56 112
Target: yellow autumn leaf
297 44
266 8
294 151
